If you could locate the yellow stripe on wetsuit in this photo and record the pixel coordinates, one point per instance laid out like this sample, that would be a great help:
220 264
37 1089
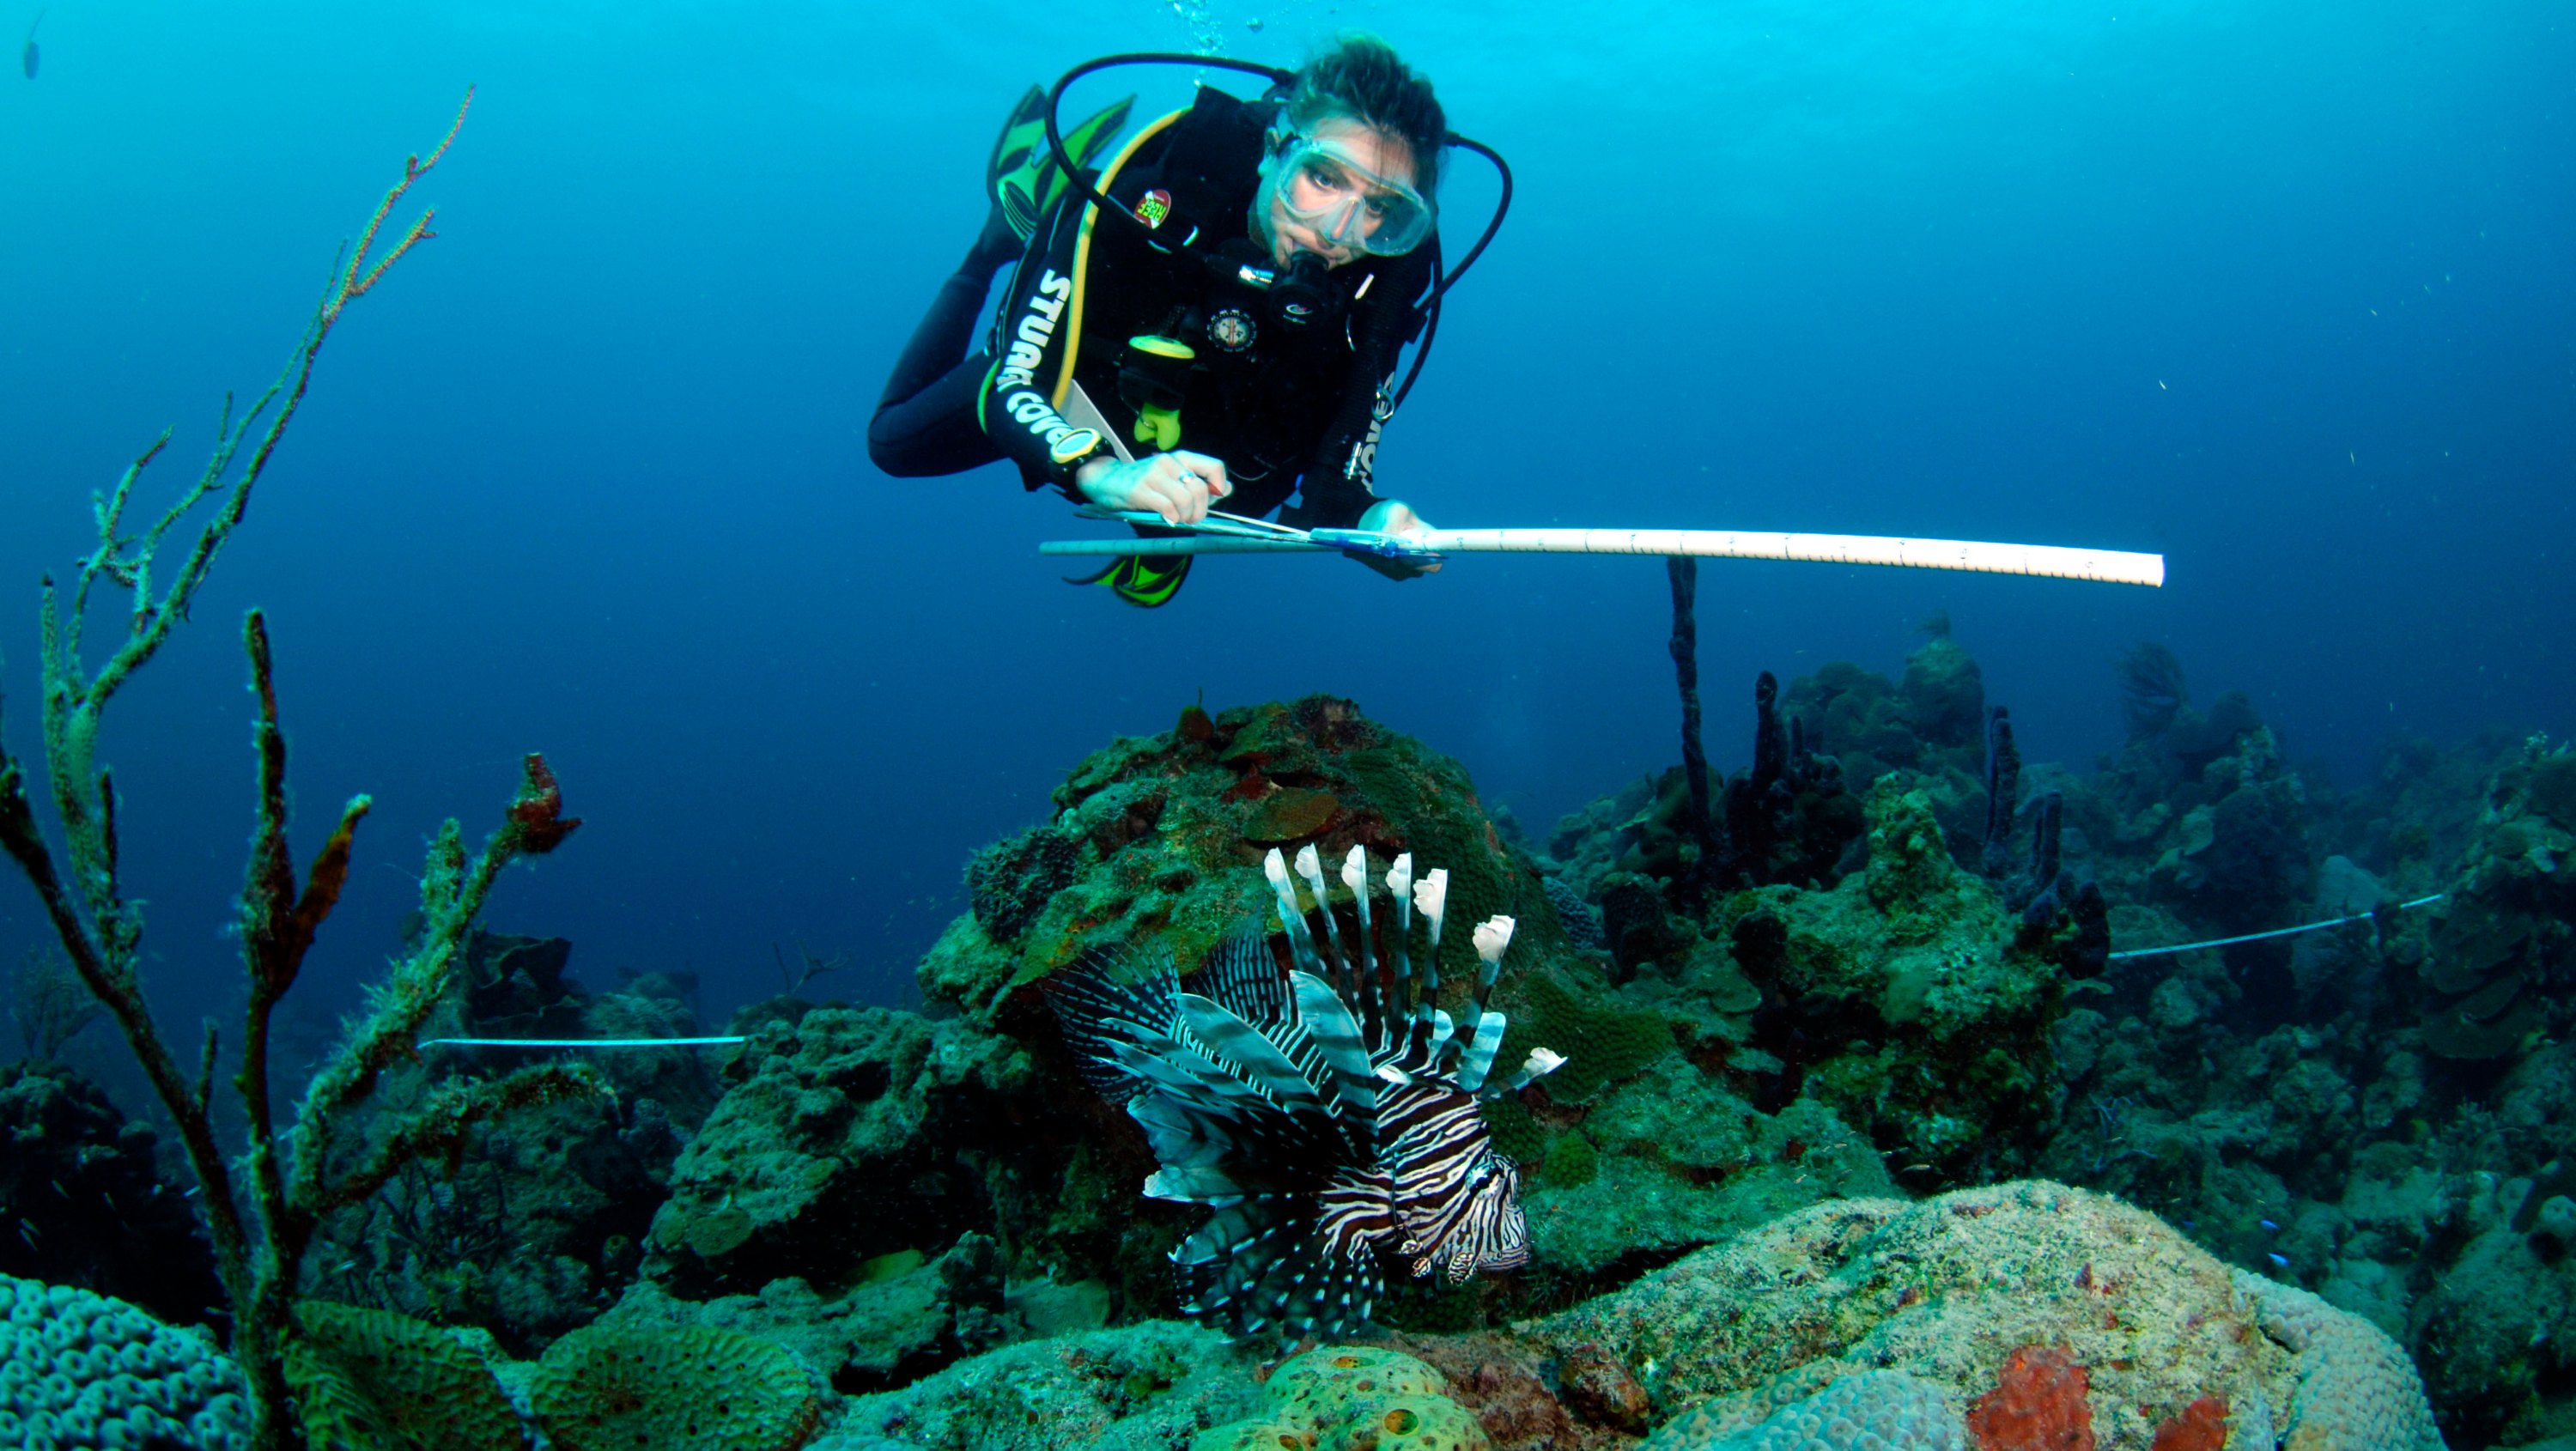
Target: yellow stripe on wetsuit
1082 254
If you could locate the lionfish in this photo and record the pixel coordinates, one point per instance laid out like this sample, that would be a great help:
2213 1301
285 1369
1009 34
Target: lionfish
1326 1114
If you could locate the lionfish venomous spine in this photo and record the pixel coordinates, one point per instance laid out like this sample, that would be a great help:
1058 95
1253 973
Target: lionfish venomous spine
1326 1114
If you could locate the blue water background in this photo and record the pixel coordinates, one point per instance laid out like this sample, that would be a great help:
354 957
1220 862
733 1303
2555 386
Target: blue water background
2281 290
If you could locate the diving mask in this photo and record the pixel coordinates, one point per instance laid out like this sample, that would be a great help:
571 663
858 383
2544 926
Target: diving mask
1321 184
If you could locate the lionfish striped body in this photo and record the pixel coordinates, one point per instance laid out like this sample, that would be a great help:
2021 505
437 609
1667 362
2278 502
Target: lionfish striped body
1327 1115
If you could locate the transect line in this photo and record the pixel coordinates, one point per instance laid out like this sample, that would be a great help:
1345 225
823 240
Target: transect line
578 1042
2275 932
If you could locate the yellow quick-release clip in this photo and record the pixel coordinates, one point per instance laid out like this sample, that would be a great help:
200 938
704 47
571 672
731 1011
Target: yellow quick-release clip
1159 428
1161 364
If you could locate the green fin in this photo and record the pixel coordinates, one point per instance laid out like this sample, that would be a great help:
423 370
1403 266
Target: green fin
1022 173
1147 581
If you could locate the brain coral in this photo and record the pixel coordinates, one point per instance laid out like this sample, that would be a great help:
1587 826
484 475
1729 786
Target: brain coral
1870 1410
698 1389
372 1380
2356 1389
82 1371
1946 1289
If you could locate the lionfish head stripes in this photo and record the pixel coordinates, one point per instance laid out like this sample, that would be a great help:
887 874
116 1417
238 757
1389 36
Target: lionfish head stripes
1325 1113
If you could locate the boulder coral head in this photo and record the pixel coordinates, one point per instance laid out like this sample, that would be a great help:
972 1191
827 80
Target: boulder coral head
2020 1300
1162 836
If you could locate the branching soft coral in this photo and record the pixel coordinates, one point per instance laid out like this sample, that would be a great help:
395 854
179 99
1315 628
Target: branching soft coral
298 1177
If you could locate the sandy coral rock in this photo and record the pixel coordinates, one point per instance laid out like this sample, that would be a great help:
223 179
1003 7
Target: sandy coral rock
81 1371
1946 1289
2356 1390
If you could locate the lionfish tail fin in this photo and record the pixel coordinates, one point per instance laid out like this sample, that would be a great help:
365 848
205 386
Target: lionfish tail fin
1258 1271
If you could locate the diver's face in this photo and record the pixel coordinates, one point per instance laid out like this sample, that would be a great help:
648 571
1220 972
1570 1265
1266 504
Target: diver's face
1365 145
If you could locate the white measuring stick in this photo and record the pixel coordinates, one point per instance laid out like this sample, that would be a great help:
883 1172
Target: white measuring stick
2109 566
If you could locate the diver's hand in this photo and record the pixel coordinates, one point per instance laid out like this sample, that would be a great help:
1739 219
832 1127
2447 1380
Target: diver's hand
1179 486
1394 516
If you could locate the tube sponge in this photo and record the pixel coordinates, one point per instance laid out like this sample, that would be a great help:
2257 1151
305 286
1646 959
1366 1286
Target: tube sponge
82 1372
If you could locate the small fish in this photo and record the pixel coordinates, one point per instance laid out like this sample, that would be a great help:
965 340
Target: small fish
1326 1114
2267 1224
27 57
2278 1259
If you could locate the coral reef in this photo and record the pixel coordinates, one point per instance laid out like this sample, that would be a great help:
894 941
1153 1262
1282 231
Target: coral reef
1671 1161
1907 999
288 1182
851 1134
2355 1388
81 1198
1351 1398
540 1224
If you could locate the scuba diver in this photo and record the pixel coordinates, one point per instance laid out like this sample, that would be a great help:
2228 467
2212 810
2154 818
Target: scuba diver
1213 318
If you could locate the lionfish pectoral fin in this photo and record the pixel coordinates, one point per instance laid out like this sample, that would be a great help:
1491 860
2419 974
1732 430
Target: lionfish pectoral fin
1243 978
1336 1036
1193 1185
1244 1046
1107 1000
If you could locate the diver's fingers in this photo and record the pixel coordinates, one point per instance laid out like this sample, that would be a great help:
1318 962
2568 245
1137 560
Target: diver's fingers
1210 471
1165 496
1174 474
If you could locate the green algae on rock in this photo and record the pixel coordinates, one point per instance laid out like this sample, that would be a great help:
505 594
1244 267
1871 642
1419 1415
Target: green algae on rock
1144 1387
1931 1020
844 1136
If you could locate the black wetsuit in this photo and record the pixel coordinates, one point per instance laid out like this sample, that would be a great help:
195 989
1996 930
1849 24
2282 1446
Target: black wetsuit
1289 409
